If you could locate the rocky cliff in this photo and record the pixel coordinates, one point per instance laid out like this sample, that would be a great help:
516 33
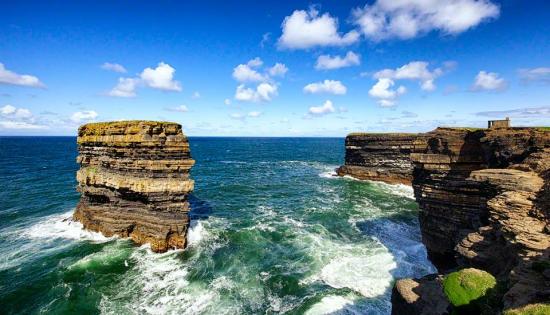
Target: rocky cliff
379 156
134 181
484 199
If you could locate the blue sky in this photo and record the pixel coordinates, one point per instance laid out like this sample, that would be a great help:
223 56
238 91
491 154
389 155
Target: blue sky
274 69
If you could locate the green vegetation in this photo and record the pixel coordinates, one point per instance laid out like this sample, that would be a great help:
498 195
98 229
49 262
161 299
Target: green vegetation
467 285
531 309
543 128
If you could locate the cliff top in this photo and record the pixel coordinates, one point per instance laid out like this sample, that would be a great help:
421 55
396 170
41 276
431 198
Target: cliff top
128 127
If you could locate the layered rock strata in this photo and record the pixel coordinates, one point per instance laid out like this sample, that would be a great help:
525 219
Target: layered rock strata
484 202
379 156
134 181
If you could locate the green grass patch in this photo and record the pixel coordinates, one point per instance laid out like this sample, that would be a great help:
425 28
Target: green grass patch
531 309
467 285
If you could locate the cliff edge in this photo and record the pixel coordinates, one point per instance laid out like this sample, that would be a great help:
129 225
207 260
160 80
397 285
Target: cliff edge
134 181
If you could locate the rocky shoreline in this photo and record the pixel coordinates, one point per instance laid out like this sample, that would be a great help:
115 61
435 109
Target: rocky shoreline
484 203
134 181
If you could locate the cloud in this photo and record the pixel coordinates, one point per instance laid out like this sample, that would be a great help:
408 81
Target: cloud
322 110
532 112
227 101
115 67
126 87
327 62
414 70
278 69
10 77
10 111
83 116
246 73
327 86
20 125
18 119
407 114
242 117
307 29
263 92
383 92
237 116
181 109
541 74
196 95
405 19
488 81
161 77
266 37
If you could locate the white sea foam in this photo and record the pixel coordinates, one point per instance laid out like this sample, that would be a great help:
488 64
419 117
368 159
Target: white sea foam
396 189
195 233
368 275
62 226
334 305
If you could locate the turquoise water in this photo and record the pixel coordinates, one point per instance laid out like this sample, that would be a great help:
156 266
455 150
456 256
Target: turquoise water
273 231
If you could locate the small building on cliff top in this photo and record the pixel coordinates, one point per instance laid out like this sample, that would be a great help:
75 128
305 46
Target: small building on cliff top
505 123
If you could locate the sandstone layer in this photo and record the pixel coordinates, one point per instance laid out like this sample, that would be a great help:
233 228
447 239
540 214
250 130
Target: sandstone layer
134 181
379 156
484 199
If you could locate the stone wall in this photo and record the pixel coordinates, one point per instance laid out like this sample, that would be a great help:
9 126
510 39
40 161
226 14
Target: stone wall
134 181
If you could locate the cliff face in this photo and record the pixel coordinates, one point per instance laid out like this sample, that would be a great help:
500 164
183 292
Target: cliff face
484 199
484 202
134 181
382 157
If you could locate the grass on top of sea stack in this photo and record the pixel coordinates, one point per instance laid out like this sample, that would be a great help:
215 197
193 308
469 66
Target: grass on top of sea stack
530 309
467 285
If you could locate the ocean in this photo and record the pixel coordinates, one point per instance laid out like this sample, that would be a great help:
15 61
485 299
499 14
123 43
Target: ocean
273 231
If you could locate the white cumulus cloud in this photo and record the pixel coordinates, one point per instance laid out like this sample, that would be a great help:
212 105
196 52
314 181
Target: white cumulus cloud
115 67
254 114
161 77
383 91
324 109
327 86
13 112
306 29
227 101
83 116
278 69
126 87
10 77
414 70
328 62
405 19
263 92
488 81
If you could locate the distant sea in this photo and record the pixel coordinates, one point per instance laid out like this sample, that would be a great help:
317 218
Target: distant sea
273 232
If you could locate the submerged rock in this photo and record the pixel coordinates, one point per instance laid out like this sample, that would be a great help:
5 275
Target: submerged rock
134 181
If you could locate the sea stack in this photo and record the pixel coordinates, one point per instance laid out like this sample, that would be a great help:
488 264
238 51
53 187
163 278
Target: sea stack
134 181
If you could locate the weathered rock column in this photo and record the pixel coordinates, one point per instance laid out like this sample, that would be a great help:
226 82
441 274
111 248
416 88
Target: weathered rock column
134 181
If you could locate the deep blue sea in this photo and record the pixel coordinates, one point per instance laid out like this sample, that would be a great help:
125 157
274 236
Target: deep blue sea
272 232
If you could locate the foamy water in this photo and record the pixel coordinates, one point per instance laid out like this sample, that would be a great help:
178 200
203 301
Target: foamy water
272 231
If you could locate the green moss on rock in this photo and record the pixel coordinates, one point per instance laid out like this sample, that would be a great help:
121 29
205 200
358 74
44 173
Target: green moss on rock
531 309
467 285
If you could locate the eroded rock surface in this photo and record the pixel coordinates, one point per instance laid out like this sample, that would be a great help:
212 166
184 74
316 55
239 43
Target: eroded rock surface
379 156
134 181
